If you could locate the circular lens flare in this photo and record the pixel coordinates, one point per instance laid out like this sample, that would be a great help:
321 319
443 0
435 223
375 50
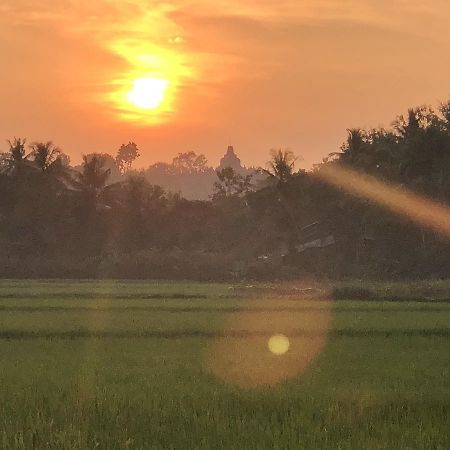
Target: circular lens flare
278 344
269 341
147 93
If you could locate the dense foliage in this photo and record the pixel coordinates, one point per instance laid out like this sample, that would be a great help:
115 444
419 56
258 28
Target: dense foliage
104 220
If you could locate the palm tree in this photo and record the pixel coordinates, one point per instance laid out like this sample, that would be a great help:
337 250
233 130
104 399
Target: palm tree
281 170
93 177
15 160
281 166
49 160
45 155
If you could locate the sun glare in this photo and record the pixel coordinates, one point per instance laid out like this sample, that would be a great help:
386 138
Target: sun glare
150 88
147 93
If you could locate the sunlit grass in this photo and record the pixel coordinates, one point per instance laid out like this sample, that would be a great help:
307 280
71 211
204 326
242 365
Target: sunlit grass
372 386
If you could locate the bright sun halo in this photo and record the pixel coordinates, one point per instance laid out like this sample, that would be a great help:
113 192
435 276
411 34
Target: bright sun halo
147 93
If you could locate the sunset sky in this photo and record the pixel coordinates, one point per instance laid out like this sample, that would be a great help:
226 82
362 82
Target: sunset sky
253 73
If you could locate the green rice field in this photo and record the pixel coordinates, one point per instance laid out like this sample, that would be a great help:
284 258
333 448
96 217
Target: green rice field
152 365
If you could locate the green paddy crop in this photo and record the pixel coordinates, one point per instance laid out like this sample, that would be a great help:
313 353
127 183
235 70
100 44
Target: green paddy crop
124 365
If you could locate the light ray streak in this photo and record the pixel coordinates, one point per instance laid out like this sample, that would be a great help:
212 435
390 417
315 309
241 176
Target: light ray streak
419 209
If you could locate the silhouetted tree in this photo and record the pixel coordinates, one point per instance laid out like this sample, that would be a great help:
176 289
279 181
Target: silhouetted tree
188 174
189 162
15 159
93 177
281 171
93 223
52 162
231 184
45 155
281 166
126 156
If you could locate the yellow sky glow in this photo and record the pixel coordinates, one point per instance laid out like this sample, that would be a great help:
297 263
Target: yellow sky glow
257 74
147 93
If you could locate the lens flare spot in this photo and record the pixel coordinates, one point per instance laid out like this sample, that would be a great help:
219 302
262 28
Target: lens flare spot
253 350
147 93
278 344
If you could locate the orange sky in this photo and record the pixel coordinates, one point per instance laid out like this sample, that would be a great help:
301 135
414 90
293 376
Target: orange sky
254 73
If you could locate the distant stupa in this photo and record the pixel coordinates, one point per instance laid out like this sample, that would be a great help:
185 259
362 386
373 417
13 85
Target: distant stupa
231 160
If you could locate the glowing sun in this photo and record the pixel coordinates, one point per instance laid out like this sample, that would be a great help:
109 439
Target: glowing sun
147 93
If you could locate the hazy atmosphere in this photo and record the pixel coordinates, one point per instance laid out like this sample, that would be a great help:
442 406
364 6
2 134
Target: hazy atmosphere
255 74
224 225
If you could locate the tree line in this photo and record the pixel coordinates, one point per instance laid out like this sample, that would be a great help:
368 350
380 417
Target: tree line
103 219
